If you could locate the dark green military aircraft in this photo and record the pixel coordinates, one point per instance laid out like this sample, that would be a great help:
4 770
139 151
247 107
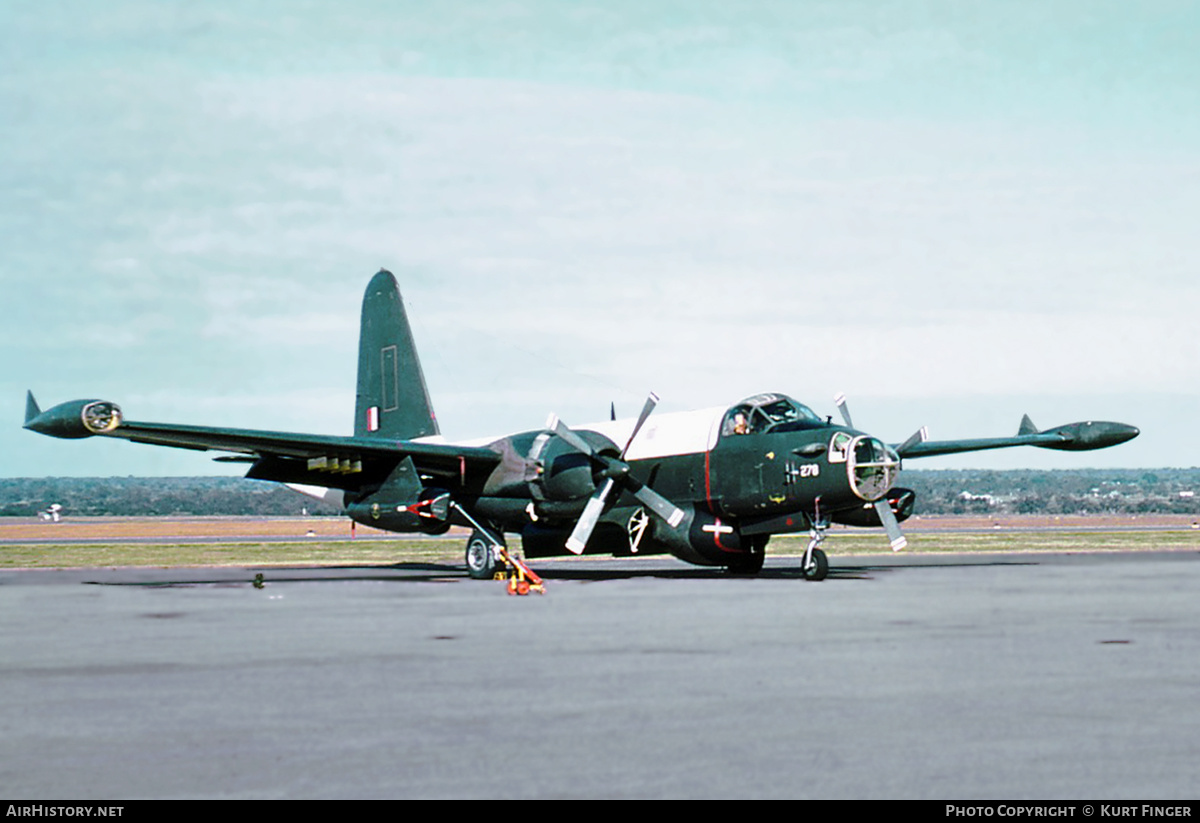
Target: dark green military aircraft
709 487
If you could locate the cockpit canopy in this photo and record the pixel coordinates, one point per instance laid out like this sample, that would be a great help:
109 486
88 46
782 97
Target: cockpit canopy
769 413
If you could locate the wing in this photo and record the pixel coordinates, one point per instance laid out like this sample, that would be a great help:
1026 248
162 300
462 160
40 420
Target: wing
348 463
1085 436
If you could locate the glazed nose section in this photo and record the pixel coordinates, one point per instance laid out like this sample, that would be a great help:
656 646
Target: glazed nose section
872 467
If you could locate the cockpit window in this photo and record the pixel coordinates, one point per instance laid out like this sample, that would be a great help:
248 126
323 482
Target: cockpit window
769 412
839 445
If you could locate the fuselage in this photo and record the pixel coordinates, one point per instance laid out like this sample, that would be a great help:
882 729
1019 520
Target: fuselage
763 466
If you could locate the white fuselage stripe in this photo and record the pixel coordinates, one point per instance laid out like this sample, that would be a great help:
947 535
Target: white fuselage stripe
670 434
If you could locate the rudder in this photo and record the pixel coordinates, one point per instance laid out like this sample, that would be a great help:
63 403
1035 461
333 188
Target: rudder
392 399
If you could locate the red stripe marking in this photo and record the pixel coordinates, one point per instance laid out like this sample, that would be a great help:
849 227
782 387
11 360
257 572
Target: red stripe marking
708 498
708 479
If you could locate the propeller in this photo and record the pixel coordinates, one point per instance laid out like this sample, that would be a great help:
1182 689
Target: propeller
886 516
615 470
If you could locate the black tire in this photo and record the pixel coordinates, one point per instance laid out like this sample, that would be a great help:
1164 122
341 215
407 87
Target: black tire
819 569
752 561
481 561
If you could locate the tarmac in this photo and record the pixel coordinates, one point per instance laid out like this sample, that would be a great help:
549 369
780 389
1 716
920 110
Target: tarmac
1066 676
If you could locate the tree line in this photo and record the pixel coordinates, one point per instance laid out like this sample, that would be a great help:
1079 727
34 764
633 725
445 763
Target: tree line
941 491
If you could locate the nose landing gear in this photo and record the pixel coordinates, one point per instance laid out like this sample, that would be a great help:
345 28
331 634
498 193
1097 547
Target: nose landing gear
815 565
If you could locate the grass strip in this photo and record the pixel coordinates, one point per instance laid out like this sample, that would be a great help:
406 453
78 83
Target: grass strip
323 552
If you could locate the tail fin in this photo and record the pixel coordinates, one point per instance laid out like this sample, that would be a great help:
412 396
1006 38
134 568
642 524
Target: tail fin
31 406
1027 427
393 401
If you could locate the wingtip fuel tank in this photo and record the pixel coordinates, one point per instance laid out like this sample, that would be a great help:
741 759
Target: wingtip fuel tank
1091 434
74 419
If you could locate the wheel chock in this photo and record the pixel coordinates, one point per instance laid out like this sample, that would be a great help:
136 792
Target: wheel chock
522 579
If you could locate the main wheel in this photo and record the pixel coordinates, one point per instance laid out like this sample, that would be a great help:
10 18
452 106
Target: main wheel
818 569
752 561
481 560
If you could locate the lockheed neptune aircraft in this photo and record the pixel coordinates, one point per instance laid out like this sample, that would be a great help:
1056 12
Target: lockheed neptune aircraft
709 487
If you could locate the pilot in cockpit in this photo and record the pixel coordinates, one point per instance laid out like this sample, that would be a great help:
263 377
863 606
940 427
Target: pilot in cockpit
737 423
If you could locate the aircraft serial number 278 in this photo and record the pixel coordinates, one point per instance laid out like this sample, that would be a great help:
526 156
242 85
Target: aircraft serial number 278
709 487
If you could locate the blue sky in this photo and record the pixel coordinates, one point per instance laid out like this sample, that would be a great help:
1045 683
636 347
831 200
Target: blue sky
953 212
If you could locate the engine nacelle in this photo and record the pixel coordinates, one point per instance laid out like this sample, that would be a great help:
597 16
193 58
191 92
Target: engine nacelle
701 538
865 516
75 419
428 513
558 471
541 466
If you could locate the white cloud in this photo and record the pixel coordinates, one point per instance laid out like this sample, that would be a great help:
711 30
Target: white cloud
605 201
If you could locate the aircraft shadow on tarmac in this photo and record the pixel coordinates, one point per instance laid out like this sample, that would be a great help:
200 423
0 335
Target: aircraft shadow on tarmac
443 573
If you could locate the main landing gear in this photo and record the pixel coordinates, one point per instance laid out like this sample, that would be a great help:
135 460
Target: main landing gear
485 552
482 560
488 559
752 561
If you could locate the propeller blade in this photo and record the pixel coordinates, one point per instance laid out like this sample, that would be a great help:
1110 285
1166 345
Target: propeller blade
890 525
651 402
587 521
660 505
564 431
840 401
918 437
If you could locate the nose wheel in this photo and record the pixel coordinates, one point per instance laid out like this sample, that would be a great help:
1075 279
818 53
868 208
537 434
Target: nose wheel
815 565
